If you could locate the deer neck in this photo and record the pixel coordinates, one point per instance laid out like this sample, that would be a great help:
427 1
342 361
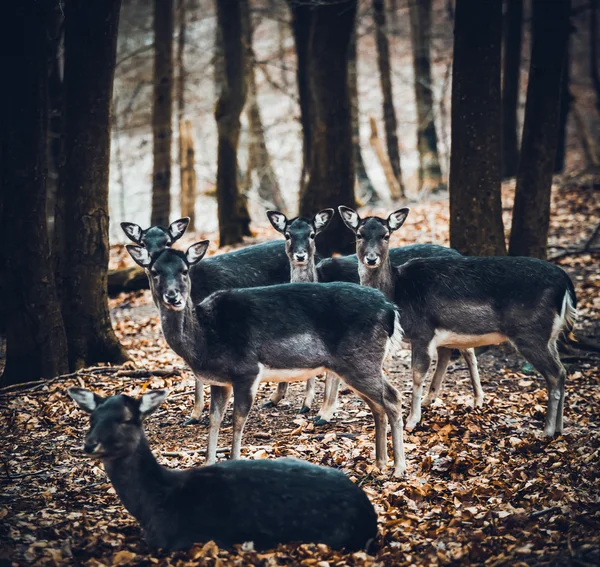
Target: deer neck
182 330
139 481
305 273
380 278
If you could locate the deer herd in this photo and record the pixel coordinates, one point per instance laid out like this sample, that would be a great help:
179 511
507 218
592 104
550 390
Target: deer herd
278 312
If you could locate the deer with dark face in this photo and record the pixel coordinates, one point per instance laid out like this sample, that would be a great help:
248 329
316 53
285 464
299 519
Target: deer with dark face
375 269
237 338
466 302
300 248
256 265
156 238
267 502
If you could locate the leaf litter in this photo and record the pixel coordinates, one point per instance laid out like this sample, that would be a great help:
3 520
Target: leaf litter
483 487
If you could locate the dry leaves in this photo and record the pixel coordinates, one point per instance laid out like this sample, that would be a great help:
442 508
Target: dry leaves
483 486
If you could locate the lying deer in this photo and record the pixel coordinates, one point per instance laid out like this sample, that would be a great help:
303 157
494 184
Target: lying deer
465 302
237 338
267 502
300 248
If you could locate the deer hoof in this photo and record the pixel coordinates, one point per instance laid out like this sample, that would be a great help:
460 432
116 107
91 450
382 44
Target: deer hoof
195 421
269 404
319 421
304 409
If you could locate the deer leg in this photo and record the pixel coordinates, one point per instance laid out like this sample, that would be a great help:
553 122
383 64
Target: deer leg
194 419
277 395
309 395
443 358
219 396
421 359
244 391
332 385
392 401
546 362
471 360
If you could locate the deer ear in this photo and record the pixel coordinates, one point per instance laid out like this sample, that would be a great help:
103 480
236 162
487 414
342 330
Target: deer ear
278 220
150 402
178 227
322 219
349 216
140 255
133 231
85 399
397 218
196 252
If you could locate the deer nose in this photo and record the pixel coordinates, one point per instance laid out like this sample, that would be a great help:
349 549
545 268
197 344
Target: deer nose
300 257
92 446
171 294
372 259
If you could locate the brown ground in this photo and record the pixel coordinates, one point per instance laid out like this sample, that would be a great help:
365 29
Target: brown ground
483 487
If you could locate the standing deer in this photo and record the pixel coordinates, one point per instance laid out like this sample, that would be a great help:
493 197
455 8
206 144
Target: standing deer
466 302
256 265
267 502
300 248
237 338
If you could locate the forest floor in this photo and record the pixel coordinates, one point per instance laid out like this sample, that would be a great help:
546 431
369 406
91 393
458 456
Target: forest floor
482 487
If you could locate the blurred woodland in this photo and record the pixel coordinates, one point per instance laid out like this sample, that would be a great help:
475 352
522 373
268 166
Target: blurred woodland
482 116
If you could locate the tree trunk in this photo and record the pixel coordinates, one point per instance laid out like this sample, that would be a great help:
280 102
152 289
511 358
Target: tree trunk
55 150
233 219
384 160
187 173
368 195
30 319
430 173
531 214
566 102
594 74
389 114
259 159
90 55
162 109
331 167
510 86
302 16
476 225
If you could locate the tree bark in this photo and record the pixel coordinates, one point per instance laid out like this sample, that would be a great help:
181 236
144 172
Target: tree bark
593 34
30 316
187 173
389 113
233 219
513 32
476 225
430 173
259 159
302 16
162 109
90 55
331 167
566 103
384 160
368 195
531 214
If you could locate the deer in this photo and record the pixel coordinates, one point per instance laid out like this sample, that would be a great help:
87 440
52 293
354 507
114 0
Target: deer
379 275
255 265
300 233
464 302
236 338
266 502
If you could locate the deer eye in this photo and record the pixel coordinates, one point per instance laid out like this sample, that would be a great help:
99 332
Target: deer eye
386 237
287 235
185 272
312 235
154 273
359 236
